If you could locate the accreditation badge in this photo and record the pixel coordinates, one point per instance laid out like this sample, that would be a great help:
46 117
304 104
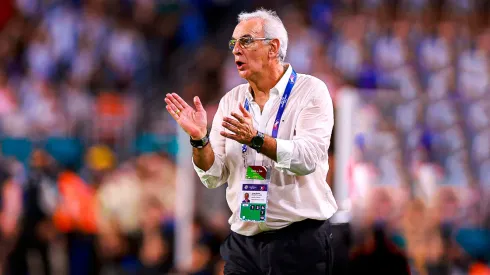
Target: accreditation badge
254 193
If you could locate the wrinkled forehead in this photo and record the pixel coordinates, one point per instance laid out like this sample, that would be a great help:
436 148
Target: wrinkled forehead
252 27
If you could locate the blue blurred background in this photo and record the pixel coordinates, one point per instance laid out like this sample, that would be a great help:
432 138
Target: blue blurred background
90 159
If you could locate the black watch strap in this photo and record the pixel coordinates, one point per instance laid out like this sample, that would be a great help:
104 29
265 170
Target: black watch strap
200 143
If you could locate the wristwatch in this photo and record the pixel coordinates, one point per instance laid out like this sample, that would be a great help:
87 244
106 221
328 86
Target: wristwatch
257 141
200 143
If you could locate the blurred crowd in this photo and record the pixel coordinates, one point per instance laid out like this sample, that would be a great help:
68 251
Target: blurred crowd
418 173
88 152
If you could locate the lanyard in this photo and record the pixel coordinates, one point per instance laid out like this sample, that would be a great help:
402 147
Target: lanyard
282 107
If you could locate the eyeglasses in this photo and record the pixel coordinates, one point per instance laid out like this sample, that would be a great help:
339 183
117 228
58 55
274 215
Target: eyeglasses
244 41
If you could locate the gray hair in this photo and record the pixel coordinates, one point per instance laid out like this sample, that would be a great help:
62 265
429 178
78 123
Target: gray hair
273 28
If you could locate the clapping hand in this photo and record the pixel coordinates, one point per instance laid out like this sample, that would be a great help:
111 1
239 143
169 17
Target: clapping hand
193 121
240 126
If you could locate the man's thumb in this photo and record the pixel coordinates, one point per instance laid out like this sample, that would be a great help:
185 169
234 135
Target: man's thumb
198 104
244 111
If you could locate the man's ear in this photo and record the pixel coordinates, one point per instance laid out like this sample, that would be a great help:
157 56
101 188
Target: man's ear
274 48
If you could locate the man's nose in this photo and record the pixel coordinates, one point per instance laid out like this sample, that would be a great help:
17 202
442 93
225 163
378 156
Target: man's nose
237 50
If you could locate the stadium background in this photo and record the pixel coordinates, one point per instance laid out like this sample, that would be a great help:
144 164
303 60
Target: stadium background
93 167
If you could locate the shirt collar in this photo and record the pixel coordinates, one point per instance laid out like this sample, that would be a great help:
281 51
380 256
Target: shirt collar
280 86
283 82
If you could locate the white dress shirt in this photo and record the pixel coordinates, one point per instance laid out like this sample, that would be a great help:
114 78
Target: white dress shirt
298 188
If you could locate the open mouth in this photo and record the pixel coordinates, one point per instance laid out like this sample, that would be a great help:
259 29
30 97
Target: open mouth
239 64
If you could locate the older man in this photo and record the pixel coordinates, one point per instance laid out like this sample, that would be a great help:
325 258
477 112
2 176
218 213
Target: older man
269 138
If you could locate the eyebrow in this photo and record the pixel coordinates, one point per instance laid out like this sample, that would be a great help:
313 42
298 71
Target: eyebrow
245 35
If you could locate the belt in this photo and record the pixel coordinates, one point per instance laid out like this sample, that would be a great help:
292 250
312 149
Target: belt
297 227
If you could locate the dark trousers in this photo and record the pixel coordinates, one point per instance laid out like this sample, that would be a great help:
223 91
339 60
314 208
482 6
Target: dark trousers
82 255
17 261
302 248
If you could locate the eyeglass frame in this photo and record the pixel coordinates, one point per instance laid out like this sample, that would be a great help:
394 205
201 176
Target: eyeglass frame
232 42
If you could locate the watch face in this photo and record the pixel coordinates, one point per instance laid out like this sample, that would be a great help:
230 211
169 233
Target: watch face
257 141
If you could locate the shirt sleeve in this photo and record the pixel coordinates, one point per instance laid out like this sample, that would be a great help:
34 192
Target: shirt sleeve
310 144
218 173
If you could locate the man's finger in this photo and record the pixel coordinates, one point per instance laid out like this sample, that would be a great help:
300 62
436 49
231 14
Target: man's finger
175 101
172 112
230 127
198 104
171 104
232 121
229 135
180 100
244 111
238 117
